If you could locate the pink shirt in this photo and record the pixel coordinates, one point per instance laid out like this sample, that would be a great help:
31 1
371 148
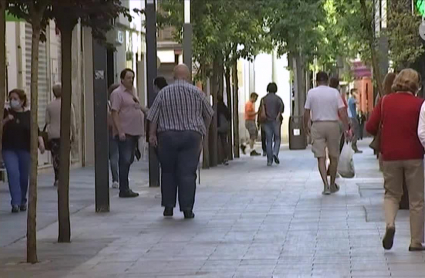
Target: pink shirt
127 105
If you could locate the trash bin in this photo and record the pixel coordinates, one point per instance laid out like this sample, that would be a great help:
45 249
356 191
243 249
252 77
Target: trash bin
297 136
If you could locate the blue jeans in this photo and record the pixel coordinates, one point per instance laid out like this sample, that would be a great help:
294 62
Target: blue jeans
178 153
113 158
126 151
272 130
17 163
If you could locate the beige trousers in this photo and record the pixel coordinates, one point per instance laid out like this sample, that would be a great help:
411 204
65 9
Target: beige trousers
393 175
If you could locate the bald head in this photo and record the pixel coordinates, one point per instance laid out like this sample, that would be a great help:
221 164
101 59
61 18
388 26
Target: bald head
181 72
57 90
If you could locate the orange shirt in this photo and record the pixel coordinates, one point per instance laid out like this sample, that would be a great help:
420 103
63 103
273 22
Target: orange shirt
249 109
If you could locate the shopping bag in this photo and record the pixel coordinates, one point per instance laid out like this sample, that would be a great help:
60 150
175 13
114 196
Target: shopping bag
346 163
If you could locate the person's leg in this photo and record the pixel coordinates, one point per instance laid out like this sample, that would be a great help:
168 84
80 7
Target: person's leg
55 150
11 162
333 137
319 150
224 147
414 174
167 154
355 126
24 170
113 158
268 129
393 184
263 141
126 153
321 164
277 137
187 164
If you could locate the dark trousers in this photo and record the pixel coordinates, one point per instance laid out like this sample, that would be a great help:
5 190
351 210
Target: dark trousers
126 151
55 147
113 158
224 140
272 130
179 153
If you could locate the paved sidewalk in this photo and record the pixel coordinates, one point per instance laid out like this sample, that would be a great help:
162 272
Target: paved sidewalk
251 221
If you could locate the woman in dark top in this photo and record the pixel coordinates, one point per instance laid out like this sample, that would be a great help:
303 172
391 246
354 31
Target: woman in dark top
16 148
223 128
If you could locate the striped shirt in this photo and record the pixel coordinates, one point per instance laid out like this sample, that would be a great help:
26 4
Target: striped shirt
181 107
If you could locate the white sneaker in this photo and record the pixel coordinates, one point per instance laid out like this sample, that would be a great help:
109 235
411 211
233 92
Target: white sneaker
115 185
326 191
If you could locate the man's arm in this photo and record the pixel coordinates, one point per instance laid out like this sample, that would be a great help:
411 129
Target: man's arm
117 125
344 118
421 126
307 121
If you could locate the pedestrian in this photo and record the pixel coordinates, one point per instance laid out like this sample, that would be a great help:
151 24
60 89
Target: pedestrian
128 118
397 115
53 127
324 105
354 122
223 116
250 124
179 119
16 148
113 143
273 109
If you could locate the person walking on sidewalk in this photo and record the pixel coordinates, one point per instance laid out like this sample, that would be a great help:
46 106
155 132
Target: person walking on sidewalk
397 116
323 107
113 143
250 124
179 119
273 109
53 126
128 119
16 148
354 121
223 128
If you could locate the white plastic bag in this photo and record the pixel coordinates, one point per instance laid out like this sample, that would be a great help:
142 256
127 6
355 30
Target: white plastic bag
346 163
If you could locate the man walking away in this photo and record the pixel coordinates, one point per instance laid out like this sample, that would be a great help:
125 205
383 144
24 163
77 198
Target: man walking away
53 126
274 109
128 118
324 105
179 118
250 124
352 106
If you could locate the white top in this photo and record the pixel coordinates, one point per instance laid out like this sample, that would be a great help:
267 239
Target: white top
324 103
421 125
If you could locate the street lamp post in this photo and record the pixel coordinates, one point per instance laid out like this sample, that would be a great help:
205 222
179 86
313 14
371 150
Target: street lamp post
187 37
151 64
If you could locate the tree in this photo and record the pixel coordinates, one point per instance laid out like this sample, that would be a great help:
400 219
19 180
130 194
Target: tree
33 12
3 7
98 15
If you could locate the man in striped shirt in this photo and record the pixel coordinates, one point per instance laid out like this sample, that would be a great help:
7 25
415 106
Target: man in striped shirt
179 119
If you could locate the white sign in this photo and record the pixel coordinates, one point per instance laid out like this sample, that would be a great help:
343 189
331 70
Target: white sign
297 132
99 74
150 1
422 30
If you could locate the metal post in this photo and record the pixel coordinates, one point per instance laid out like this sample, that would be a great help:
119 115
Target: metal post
187 37
151 64
100 89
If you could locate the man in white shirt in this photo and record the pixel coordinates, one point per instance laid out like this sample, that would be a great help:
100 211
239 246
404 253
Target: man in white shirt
323 107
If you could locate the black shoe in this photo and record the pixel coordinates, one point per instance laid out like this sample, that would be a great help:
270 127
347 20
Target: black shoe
388 240
23 207
226 162
416 249
269 164
276 159
254 153
264 154
15 209
168 211
243 149
128 194
188 214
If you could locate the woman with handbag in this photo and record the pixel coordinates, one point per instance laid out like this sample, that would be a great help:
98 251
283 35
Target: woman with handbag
16 148
396 118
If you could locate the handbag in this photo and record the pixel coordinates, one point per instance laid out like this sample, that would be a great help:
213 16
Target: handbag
376 142
45 137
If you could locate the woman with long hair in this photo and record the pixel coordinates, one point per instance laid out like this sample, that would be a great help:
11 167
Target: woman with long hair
397 115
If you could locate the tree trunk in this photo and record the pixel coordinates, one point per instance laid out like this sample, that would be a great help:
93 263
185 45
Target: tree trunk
206 151
65 142
213 129
236 110
229 106
3 74
32 198
368 23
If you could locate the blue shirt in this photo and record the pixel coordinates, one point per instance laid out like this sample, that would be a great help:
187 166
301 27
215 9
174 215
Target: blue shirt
352 105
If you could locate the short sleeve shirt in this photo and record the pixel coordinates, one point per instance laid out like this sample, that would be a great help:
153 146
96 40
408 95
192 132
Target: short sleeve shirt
324 103
130 114
249 108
